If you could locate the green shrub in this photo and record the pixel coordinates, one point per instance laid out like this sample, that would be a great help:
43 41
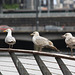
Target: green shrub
11 6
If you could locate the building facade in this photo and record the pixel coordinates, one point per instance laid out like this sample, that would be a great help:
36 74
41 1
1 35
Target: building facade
42 4
31 4
65 4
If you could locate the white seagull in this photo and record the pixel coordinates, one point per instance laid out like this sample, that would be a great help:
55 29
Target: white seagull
10 40
41 41
70 41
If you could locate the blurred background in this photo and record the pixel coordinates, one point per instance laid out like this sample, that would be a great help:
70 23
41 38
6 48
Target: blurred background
52 18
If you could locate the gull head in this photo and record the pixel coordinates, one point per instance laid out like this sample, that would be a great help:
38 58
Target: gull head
67 35
35 33
7 30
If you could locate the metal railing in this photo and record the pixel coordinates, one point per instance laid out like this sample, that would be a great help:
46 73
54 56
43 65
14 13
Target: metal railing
34 63
45 28
33 15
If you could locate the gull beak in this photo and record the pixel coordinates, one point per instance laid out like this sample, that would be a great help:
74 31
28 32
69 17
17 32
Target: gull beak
32 34
63 36
4 31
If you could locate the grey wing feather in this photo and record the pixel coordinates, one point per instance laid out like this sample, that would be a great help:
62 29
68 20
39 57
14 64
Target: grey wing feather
71 41
41 41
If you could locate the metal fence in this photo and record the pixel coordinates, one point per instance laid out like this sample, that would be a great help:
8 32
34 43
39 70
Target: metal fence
28 22
28 62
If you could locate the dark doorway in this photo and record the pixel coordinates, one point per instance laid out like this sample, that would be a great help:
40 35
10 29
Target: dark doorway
19 45
28 45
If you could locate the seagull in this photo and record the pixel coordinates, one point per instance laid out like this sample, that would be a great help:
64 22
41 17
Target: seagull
42 41
70 41
10 40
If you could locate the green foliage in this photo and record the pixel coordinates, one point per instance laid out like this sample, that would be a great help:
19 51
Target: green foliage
11 6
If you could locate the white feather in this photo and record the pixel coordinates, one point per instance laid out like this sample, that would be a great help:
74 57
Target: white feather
9 38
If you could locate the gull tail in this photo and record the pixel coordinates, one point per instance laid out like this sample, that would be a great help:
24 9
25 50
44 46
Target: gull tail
52 46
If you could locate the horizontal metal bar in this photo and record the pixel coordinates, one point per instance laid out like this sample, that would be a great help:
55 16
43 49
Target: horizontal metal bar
33 15
39 53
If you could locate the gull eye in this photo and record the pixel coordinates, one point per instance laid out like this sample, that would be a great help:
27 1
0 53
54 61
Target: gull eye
65 34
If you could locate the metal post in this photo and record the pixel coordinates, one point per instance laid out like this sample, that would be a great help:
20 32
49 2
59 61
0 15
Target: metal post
24 4
37 21
0 8
63 67
42 66
51 4
1 3
32 4
12 1
49 7
18 1
18 64
39 7
1 73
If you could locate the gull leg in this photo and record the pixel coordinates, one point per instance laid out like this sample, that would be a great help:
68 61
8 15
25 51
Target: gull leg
9 47
40 48
71 52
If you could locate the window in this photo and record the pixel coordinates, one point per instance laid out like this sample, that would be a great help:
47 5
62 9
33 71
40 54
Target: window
44 2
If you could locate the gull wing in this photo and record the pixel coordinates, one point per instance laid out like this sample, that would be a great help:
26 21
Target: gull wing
71 41
41 41
10 39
